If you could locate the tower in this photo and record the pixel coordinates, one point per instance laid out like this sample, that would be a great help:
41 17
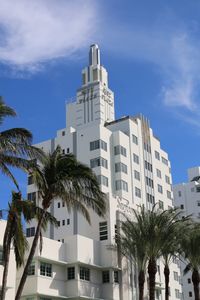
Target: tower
94 100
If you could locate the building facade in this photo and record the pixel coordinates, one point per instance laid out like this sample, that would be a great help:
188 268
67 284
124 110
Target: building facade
132 170
187 197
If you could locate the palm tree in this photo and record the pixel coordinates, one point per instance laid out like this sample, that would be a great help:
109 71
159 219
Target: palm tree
131 245
14 234
62 176
171 247
190 246
15 145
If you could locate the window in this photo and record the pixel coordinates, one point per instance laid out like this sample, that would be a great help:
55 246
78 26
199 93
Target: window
31 269
58 223
189 280
84 273
1 256
63 204
102 180
71 273
99 161
121 185
149 182
58 204
120 167
158 172
63 240
30 231
179 193
167 179
30 180
198 203
148 166
137 192
119 150
63 133
136 158
190 294
150 198
147 147
106 276
160 189
161 204
135 139
169 196
157 155
45 269
68 221
137 175
182 206
63 151
116 276
176 276
165 161
103 231
63 222
177 293
97 145
31 196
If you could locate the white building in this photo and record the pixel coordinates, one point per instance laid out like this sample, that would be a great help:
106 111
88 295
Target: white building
10 291
132 170
187 197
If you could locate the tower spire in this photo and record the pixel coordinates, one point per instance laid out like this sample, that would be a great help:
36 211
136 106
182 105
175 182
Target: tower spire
94 55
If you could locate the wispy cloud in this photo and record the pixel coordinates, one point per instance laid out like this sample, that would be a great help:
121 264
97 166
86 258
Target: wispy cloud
175 53
36 31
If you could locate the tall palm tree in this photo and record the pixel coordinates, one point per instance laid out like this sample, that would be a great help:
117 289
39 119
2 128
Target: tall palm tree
62 176
18 209
15 145
190 246
132 246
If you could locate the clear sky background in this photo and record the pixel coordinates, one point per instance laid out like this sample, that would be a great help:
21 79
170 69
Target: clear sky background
151 50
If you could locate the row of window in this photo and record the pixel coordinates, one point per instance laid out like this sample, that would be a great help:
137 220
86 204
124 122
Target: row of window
99 162
63 222
98 144
84 273
164 160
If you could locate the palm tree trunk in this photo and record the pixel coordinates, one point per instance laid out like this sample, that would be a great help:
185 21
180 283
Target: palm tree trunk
196 280
141 280
152 269
30 257
166 273
6 257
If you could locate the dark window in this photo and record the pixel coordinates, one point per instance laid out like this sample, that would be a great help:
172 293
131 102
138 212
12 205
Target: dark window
30 180
71 273
68 150
68 221
31 269
30 231
63 133
45 269
31 196
103 231
105 276
58 204
190 294
58 223
116 276
84 273
63 222
189 280
182 206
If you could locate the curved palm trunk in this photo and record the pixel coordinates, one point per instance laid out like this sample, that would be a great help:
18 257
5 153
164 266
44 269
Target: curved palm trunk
141 280
166 273
30 257
152 269
196 280
6 258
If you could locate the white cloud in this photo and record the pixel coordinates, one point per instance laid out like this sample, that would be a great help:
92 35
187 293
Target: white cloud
36 31
172 49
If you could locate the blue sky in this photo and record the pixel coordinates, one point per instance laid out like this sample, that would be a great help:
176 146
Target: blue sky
151 50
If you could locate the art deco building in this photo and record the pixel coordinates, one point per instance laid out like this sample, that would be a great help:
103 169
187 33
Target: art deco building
187 197
132 168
